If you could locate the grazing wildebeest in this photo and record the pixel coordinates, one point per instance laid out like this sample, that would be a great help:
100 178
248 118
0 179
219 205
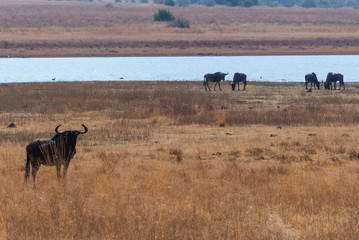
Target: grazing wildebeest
334 77
55 151
312 78
237 78
214 77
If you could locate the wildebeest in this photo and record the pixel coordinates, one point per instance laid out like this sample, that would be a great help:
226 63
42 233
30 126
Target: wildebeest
214 77
334 77
237 78
55 151
312 78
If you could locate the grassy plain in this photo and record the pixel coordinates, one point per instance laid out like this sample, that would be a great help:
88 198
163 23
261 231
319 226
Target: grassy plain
168 160
42 28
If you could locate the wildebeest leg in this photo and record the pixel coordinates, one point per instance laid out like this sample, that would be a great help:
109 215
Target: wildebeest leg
207 85
27 167
215 85
219 84
58 169
244 86
306 84
35 168
66 166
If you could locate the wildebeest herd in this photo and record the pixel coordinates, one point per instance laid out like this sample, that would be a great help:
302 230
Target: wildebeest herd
61 148
217 77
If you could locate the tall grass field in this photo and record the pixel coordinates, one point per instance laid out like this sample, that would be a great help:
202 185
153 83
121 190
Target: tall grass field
168 160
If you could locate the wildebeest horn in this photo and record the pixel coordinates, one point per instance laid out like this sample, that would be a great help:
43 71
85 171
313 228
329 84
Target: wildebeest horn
84 128
57 128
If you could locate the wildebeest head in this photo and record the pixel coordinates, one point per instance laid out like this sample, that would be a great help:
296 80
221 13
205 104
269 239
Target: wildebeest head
329 77
233 86
220 75
315 80
66 140
328 80
326 85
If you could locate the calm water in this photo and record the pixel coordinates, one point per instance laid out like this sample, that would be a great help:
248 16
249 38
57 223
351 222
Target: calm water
257 68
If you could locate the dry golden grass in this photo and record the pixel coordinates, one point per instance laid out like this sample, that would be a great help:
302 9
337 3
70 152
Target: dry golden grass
157 162
61 28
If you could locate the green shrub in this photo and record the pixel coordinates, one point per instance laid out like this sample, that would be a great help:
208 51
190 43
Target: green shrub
163 15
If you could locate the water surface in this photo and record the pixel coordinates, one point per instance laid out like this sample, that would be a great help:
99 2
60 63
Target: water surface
257 68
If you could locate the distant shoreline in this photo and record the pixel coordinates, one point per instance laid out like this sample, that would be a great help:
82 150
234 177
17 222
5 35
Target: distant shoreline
65 29
63 54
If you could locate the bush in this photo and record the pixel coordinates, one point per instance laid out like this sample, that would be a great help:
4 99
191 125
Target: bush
180 23
169 2
163 15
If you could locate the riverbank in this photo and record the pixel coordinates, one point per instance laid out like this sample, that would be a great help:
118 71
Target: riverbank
67 29
170 160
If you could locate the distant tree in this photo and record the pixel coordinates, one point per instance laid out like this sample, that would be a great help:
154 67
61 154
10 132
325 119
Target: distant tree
249 3
288 3
323 3
309 4
353 3
163 15
182 3
169 2
337 3
242 3
208 3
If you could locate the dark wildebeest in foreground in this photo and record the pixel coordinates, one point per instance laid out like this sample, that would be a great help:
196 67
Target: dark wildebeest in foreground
311 78
237 78
55 151
214 77
333 78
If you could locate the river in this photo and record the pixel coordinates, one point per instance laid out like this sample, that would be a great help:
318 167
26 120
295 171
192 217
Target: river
257 68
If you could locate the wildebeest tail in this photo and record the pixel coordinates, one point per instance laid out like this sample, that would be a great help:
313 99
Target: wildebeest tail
27 167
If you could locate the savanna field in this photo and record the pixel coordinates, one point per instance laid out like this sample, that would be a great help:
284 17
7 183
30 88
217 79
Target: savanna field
168 160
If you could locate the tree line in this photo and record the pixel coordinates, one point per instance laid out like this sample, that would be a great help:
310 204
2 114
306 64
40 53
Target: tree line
280 3
271 3
251 3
